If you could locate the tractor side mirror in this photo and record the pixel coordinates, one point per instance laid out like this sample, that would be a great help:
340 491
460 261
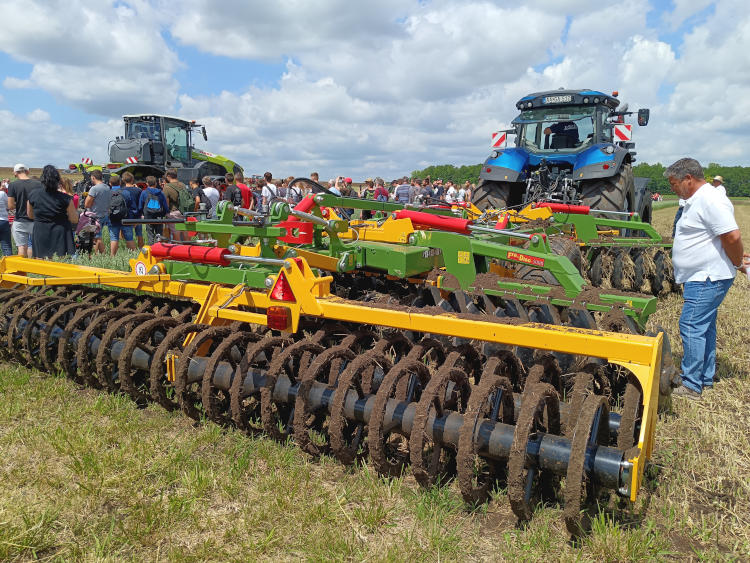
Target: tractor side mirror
643 114
205 138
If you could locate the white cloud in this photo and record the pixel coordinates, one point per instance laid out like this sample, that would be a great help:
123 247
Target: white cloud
97 56
38 116
13 83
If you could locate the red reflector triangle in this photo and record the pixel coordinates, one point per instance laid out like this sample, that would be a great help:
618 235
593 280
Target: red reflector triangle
282 291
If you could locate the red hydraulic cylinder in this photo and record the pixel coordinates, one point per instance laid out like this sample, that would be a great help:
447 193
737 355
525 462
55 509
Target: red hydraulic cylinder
421 219
305 205
212 256
565 208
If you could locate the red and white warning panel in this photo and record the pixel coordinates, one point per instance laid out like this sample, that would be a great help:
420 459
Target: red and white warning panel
499 139
87 160
623 132
131 160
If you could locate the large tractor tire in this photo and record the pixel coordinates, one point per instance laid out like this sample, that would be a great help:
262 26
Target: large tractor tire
610 194
490 194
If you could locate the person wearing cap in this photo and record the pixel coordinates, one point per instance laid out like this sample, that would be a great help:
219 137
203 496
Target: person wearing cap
718 182
706 254
18 197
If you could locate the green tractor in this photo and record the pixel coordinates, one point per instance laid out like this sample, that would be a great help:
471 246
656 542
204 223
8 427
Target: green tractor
151 145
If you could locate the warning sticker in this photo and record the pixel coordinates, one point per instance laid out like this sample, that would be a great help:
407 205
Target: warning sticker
464 257
140 268
623 132
526 259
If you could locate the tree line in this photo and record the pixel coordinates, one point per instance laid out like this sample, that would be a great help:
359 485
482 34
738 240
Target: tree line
736 178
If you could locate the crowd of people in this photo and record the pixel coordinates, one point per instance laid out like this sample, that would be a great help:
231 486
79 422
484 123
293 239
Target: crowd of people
48 213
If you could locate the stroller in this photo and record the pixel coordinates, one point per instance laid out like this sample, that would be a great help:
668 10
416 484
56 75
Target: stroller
87 227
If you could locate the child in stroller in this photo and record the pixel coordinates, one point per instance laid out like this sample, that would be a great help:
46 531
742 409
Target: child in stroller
87 227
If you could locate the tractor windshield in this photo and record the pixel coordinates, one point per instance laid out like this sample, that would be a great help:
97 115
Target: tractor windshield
143 130
176 137
568 128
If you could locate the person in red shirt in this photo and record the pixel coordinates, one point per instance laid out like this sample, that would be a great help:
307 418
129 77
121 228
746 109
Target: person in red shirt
247 194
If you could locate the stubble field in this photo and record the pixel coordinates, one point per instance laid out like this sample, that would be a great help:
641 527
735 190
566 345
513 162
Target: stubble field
86 475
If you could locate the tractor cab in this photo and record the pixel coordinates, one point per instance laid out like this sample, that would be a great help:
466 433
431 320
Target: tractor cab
156 140
564 121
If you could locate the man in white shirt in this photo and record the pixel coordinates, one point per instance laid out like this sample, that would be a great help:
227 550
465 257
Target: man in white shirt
212 194
718 182
706 254
268 192
450 193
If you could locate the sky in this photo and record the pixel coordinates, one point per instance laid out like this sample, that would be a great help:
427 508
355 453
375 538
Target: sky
365 89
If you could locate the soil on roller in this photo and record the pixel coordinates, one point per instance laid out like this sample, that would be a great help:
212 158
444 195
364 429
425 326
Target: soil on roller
517 469
268 416
341 430
139 391
428 472
241 413
577 484
631 403
172 342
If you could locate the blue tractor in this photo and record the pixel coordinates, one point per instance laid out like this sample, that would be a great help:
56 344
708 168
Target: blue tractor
572 146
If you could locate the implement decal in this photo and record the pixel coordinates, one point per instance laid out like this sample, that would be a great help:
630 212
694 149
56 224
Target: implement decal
526 259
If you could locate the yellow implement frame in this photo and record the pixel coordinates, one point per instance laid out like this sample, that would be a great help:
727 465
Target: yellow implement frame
641 355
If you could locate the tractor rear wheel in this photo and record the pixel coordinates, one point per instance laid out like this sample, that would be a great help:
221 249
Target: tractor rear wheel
609 194
490 194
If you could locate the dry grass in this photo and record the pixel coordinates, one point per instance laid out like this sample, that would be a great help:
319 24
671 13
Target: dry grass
89 476
7 172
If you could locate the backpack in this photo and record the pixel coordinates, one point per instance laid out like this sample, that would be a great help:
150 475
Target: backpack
185 201
118 207
382 197
204 199
152 208
236 197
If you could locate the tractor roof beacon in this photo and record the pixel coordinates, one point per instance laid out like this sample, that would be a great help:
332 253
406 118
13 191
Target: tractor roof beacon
572 146
153 143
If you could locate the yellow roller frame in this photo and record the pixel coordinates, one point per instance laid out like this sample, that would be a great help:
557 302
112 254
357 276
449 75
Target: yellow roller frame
641 355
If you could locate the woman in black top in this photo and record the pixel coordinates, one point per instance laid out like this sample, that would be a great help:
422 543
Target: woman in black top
53 214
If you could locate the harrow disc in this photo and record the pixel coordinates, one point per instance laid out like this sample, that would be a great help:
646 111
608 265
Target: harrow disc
580 490
162 389
188 388
527 483
348 436
276 415
491 400
389 449
432 462
311 424
245 406
146 337
30 337
106 367
215 401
